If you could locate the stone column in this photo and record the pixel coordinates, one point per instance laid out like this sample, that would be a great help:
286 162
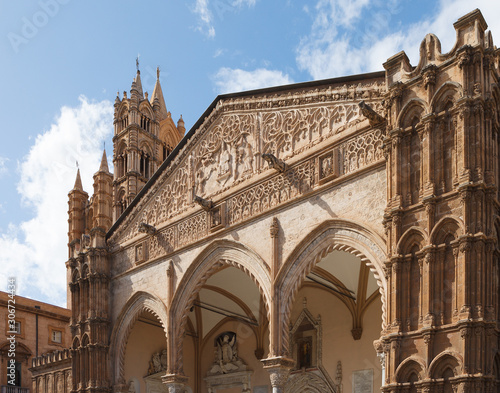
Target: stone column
175 383
279 369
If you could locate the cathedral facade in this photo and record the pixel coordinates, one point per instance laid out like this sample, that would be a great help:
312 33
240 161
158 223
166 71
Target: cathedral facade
331 236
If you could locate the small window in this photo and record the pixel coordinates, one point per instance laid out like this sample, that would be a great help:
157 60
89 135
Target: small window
14 326
57 336
17 327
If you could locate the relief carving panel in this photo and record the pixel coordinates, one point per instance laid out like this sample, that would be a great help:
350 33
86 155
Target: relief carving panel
227 149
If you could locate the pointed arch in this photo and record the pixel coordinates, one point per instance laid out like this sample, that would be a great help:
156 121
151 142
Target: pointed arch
75 276
416 107
139 302
413 236
146 147
496 368
123 109
146 109
85 270
449 225
308 382
447 92
409 366
446 360
121 147
216 256
76 343
85 340
342 235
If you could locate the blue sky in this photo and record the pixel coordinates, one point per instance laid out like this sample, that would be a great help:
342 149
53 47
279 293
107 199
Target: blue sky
64 60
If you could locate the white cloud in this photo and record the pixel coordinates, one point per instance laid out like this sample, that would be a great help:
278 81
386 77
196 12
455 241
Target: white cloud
35 251
203 9
206 18
342 41
219 52
241 3
3 166
230 80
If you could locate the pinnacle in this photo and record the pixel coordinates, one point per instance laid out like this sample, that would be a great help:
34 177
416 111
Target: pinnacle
137 84
104 163
158 94
78 181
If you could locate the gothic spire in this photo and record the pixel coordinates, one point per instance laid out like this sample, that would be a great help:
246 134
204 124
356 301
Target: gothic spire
104 163
137 84
158 94
78 181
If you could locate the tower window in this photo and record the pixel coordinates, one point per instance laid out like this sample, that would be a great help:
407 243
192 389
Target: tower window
145 123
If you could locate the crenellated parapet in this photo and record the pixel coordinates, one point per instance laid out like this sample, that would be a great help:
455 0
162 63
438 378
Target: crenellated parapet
51 372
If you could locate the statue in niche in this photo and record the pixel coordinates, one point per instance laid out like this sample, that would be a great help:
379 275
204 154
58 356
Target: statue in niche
131 387
158 362
226 355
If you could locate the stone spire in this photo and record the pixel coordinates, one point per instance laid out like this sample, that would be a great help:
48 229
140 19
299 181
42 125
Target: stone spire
78 182
104 163
158 94
138 83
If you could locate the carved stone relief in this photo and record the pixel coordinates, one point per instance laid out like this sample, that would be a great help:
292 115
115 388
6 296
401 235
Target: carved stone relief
228 369
362 151
227 147
271 193
226 355
162 243
353 154
158 362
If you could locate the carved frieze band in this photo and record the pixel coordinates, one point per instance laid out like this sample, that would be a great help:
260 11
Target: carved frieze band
227 147
353 154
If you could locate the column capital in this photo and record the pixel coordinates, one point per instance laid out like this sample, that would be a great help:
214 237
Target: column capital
279 369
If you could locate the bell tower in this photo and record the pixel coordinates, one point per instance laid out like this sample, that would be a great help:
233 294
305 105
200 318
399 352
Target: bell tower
144 135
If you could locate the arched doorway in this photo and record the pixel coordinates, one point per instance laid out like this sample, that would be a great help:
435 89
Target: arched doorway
145 360
227 334
333 303
220 316
335 318
139 344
